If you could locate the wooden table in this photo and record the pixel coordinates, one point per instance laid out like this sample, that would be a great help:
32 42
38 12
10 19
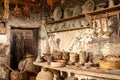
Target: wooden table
81 71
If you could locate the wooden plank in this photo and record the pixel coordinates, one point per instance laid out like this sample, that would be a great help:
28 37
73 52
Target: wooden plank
101 11
65 30
23 2
82 72
104 10
67 19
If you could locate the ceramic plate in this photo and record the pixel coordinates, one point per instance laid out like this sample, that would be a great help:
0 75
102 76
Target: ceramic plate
67 25
84 22
72 24
62 25
77 10
67 13
88 6
77 23
57 14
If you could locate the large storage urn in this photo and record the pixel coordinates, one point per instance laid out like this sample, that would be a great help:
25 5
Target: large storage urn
44 75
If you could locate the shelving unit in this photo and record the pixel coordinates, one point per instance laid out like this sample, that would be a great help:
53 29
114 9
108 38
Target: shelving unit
68 29
111 11
67 19
89 16
96 12
80 71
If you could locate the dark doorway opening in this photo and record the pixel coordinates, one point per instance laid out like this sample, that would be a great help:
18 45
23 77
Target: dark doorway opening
22 41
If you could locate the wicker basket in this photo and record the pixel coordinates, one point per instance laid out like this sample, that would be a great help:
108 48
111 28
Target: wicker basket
109 64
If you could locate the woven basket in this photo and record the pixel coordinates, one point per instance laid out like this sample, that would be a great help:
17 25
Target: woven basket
109 64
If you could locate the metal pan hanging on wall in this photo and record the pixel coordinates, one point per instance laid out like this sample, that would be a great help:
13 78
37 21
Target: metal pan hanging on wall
57 14
88 6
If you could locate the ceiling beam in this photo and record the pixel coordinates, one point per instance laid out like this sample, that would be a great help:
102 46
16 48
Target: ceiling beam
28 3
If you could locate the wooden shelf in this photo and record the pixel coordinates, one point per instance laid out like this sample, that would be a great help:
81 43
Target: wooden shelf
67 19
81 71
23 2
68 30
104 10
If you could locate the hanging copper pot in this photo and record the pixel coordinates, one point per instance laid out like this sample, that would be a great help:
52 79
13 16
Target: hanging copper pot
17 11
52 2
26 11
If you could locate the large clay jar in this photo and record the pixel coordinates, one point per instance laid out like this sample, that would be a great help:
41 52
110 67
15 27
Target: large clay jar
28 63
44 75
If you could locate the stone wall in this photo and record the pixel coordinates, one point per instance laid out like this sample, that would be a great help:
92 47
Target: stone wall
5 40
85 40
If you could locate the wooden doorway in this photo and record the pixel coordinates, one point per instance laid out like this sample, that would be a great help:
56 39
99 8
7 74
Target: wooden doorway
22 40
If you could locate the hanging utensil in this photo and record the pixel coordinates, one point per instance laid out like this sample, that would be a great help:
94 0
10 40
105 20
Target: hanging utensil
118 16
100 33
26 11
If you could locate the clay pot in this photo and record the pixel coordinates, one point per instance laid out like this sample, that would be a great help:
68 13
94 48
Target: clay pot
82 57
73 58
16 75
57 55
26 64
44 75
71 77
88 64
65 55
58 63
96 59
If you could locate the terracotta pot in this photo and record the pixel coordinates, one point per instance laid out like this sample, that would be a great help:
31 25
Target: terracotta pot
65 55
82 57
73 58
26 64
44 75
57 55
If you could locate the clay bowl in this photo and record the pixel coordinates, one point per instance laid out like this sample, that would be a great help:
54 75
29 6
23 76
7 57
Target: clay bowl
58 63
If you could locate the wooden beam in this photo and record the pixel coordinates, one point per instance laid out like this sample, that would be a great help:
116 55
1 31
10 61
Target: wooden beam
28 3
